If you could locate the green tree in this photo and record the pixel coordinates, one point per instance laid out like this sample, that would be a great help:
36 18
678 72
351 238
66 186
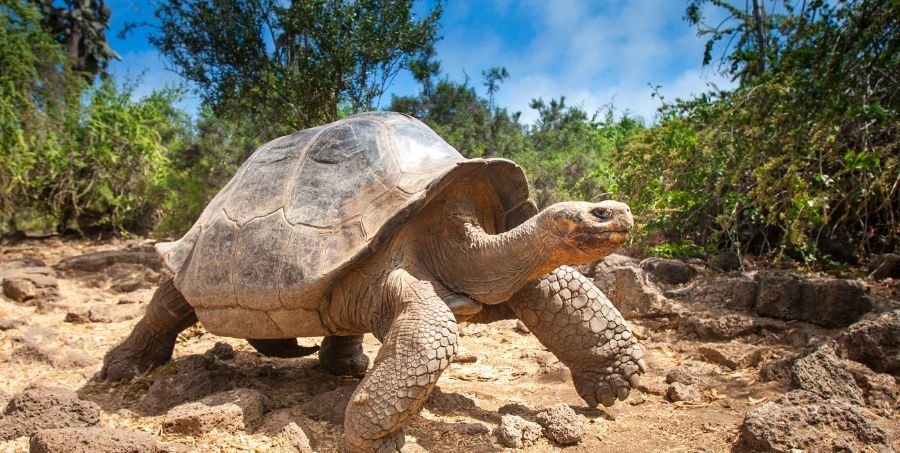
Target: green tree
72 155
565 154
80 26
493 77
752 33
110 172
295 64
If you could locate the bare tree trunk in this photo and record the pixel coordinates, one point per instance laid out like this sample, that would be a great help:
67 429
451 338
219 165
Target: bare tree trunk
759 16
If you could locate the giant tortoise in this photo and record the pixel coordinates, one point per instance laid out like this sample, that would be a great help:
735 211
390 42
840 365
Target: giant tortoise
375 224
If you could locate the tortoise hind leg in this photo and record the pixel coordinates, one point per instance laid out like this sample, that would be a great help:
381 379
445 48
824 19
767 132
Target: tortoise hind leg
343 356
284 348
152 341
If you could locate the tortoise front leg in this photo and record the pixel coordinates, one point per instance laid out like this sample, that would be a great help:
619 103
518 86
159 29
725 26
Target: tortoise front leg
577 323
419 341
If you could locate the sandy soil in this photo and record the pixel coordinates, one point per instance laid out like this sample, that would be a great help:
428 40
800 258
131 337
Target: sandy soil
511 368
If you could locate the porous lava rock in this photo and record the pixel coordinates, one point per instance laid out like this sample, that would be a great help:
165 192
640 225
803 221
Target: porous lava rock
803 420
635 296
561 424
680 392
720 325
726 261
516 432
699 374
825 374
91 440
235 411
828 302
886 265
731 355
10 324
732 292
103 313
874 342
30 351
668 271
143 254
40 407
331 405
603 272
189 379
284 423
31 285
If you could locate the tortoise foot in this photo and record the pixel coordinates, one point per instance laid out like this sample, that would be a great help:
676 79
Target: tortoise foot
613 379
575 321
392 443
152 341
124 362
344 356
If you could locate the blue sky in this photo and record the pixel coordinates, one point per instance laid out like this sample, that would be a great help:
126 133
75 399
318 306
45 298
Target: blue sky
593 52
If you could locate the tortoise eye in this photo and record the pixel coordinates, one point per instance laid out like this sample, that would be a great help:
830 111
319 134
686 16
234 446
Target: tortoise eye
601 214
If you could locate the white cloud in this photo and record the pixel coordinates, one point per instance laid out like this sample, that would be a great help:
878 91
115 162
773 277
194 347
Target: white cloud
592 55
592 52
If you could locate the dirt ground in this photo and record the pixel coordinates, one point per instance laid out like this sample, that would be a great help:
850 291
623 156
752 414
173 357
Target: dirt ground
511 368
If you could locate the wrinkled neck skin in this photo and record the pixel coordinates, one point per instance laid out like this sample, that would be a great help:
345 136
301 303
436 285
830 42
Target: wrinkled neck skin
451 244
490 268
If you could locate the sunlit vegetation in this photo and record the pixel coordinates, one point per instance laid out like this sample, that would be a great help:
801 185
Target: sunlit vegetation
799 162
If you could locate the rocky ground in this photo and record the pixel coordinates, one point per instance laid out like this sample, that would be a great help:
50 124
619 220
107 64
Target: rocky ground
739 360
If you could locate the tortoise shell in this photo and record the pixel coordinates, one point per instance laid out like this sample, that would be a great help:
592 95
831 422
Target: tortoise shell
305 208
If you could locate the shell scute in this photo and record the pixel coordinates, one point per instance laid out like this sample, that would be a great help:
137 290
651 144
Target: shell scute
260 248
259 187
207 273
345 160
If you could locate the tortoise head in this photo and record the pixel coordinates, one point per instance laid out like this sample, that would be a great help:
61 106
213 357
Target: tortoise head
588 231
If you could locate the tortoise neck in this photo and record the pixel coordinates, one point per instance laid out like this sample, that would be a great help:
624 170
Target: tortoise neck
492 267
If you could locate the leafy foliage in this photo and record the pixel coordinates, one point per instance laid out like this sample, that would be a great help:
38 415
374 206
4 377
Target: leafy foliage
569 154
113 174
80 26
458 114
73 155
293 64
105 168
801 159
38 98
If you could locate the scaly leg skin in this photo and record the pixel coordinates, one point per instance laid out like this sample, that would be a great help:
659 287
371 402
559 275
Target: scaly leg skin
419 342
344 356
284 348
152 341
575 321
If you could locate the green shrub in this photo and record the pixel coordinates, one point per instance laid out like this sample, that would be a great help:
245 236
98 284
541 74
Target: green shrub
801 160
